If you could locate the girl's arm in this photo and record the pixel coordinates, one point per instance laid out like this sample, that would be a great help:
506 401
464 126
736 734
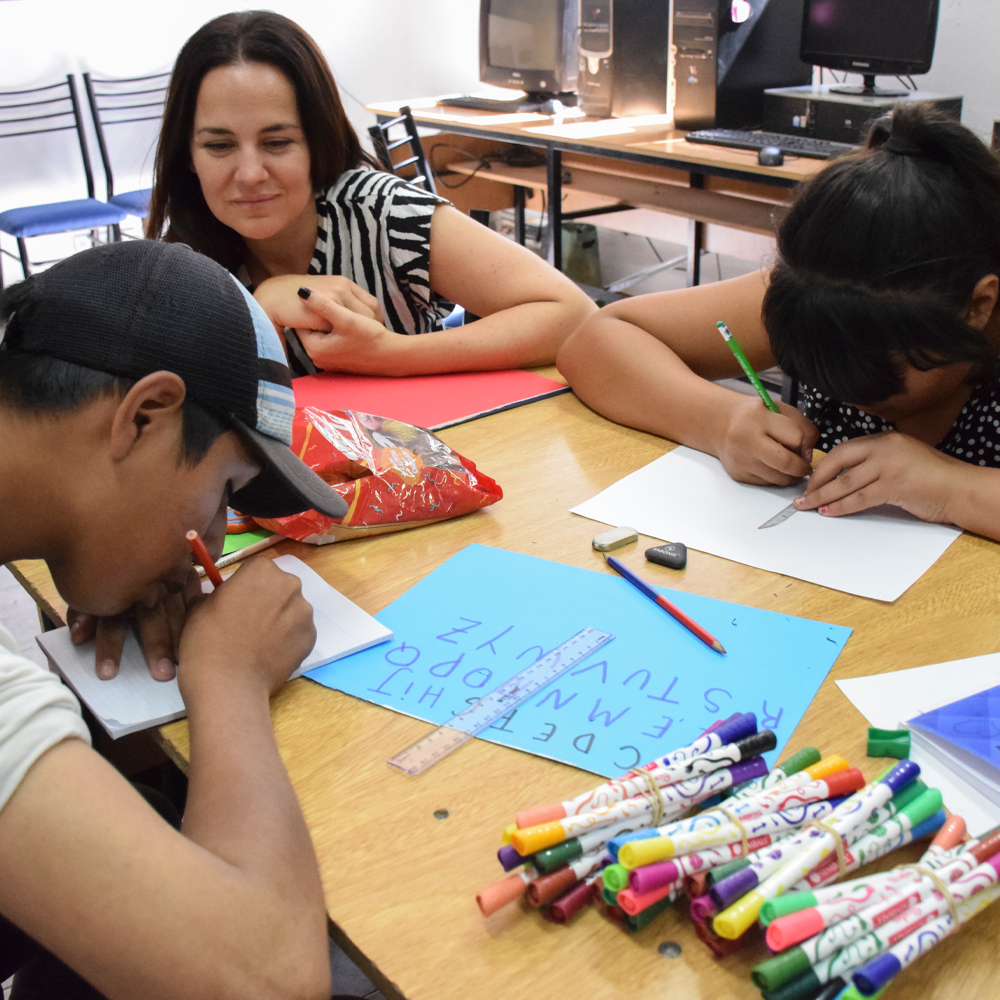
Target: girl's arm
527 310
650 362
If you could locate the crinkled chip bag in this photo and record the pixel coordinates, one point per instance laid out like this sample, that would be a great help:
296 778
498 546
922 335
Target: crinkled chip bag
392 475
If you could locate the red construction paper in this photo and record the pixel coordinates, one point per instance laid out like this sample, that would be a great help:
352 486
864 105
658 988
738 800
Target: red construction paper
430 401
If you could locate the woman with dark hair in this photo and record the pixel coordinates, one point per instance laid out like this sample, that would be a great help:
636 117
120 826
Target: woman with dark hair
259 168
882 304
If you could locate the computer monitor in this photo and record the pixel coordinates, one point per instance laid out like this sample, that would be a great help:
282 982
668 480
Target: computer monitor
529 45
870 37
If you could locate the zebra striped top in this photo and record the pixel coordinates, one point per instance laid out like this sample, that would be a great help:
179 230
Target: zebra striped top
375 229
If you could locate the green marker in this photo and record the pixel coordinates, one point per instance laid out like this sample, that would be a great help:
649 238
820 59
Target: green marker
747 367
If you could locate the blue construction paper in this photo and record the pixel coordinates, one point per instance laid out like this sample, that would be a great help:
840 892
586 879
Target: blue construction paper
973 724
486 614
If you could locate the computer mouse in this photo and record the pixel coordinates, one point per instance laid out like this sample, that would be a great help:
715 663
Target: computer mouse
771 156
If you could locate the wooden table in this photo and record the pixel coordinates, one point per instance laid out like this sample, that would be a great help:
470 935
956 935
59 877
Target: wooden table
400 884
650 167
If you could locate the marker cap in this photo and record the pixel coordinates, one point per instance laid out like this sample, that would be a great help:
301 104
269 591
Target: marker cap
696 885
569 904
729 889
609 897
498 895
724 871
923 807
615 844
901 775
747 770
780 969
634 903
702 908
951 834
799 761
781 906
507 832
804 984
844 782
871 977
615 877
736 920
647 916
653 876
535 838
644 852
757 743
928 826
994 863
509 858
986 847
737 728
720 947
545 888
909 794
828 765
537 815
555 857
793 928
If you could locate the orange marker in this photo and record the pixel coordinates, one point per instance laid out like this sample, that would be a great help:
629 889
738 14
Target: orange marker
201 556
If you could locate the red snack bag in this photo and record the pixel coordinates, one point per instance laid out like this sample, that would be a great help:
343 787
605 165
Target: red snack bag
392 475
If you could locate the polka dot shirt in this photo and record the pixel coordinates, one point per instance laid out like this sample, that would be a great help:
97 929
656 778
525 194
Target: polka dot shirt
974 437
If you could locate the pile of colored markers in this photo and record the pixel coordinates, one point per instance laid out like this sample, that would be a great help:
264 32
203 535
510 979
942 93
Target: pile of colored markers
566 850
852 939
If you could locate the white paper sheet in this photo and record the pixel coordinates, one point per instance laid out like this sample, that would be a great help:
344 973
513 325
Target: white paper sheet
888 700
688 497
133 700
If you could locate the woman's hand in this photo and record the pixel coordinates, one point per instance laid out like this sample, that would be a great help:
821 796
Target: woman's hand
282 303
887 468
340 339
766 448
158 629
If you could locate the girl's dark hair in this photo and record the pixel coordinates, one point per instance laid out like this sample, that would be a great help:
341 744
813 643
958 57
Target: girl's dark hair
248 36
879 256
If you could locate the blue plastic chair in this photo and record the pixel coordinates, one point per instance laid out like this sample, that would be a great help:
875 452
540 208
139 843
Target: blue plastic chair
118 101
39 111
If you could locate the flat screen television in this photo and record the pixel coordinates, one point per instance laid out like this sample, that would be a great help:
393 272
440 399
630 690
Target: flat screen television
529 45
871 37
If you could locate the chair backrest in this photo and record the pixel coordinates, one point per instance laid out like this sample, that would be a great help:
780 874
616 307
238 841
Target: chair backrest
40 110
117 101
421 175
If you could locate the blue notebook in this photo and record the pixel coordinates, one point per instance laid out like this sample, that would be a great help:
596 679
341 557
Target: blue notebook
486 614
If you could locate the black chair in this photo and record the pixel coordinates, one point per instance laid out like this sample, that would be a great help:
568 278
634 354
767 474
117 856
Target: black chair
43 111
119 102
421 175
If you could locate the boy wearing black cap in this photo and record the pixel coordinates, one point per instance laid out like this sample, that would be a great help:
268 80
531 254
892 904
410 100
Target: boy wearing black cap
122 426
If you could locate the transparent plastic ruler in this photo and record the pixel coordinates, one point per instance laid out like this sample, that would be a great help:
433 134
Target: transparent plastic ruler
461 728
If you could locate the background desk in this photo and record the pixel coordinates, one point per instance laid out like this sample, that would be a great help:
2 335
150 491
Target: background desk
650 167
400 885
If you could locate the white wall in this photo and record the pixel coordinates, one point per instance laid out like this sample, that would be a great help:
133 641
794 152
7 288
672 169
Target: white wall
379 50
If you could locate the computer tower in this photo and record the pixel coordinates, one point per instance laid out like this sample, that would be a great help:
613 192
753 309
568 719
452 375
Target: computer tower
824 113
723 67
624 50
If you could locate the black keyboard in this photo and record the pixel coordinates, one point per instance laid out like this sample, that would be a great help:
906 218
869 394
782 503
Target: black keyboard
791 145
491 104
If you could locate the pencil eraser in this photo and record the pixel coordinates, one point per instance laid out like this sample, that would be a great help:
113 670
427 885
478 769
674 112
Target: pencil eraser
614 538
673 555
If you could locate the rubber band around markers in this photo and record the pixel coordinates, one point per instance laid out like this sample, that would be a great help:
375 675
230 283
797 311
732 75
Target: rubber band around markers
654 793
838 842
939 885
738 823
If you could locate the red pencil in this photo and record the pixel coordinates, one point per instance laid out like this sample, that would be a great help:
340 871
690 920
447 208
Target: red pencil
201 556
671 609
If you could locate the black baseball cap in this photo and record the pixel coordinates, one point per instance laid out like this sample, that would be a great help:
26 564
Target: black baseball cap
142 306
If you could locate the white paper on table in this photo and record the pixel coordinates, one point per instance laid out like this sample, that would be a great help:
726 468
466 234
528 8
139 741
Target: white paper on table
133 700
887 701
688 497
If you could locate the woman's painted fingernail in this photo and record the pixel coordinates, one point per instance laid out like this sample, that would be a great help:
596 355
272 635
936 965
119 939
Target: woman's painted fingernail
799 501
823 510
304 293
107 670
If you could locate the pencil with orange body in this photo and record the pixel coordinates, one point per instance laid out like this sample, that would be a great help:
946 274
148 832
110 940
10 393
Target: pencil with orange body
202 556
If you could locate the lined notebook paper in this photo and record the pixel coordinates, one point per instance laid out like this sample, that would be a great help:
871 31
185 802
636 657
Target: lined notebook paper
133 701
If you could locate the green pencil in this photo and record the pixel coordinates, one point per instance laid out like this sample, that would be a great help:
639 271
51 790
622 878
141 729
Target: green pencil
747 367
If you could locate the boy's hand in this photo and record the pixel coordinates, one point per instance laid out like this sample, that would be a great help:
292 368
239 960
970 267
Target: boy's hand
254 629
280 299
767 448
886 468
158 630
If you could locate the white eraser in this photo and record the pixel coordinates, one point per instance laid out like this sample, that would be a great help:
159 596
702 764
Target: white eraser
614 538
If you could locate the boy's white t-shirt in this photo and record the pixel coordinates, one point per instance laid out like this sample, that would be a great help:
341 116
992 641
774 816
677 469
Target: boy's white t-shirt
37 711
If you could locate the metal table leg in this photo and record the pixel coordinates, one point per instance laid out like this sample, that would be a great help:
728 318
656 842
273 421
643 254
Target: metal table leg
553 169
